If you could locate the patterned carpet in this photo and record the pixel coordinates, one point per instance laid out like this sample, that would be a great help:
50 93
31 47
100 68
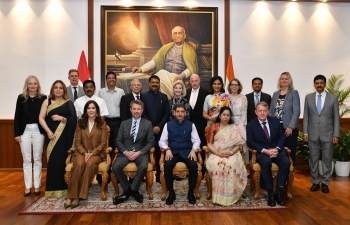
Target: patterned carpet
95 205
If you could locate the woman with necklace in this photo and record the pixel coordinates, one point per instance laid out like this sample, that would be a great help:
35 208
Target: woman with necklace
59 120
90 142
285 105
215 100
225 163
28 132
178 93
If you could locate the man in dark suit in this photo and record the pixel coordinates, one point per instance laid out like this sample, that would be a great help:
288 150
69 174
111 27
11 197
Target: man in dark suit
74 90
156 111
181 142
135 94
135 139
266 135
196 96
321 127
255 97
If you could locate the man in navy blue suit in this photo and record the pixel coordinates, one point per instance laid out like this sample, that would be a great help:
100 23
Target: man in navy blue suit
266 135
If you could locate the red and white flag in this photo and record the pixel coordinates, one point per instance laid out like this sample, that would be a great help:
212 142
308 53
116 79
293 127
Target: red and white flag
83 68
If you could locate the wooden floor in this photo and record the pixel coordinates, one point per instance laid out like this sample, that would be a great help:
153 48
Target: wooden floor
305 208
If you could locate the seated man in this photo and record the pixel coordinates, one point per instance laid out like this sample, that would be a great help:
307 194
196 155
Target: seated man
181 142
266 135
135 139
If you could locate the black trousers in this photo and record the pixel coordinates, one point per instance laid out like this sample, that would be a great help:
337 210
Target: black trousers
169 166
291 143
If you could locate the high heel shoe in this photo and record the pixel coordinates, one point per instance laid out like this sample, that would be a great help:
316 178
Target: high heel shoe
26 194
74 205
67 205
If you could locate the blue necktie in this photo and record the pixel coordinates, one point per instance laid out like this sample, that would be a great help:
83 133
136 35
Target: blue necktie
319 104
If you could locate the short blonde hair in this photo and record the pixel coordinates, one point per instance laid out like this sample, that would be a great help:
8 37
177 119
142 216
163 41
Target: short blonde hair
183 94
290 80
25 91
240 87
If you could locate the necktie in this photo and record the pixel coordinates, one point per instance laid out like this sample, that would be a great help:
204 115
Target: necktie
256 100
319 104
266 131
138 97
75 93
133 130
193 98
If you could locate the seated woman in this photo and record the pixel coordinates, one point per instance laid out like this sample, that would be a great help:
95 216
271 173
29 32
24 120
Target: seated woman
179 93
225 164
90 141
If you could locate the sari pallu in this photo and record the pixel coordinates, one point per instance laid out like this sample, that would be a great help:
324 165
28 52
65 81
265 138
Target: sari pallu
58 147
228 175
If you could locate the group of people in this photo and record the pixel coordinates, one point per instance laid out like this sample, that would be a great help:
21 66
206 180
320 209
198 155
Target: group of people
75 117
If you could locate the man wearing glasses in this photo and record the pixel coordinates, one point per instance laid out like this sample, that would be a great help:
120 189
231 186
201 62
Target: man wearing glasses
266 135
136 88
255 97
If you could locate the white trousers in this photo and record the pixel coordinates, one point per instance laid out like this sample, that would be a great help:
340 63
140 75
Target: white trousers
32 137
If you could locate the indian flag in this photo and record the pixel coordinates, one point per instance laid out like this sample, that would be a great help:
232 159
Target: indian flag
230 74
117 55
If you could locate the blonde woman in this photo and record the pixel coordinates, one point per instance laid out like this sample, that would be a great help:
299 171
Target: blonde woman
179 93
59 120
28 132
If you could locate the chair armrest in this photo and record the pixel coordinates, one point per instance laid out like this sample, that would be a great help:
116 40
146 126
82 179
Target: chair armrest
116 151
242 153
69 157
108 150
162 156
206 154
199 156
288 152
253 161
151 156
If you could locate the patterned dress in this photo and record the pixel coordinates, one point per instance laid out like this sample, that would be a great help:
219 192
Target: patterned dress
183 101
213 104
239 106
228 175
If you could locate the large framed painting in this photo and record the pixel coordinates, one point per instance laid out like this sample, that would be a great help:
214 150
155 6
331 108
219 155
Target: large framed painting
134 36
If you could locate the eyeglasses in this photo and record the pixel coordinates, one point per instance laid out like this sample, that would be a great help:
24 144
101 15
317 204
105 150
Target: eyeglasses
234 85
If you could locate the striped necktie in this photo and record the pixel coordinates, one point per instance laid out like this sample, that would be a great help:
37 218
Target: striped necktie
133 130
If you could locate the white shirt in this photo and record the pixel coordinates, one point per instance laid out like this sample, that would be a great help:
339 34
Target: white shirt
77 88
323 98
112 99
136 95
194 97
79 105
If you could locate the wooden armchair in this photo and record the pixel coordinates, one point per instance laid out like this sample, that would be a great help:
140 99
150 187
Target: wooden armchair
180 171
256 171
103 167
130 171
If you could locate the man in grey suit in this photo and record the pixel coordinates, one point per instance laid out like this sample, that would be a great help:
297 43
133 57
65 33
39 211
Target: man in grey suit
321 127
135 139
74 90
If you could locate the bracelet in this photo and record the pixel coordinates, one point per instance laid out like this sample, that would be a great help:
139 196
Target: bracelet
232 153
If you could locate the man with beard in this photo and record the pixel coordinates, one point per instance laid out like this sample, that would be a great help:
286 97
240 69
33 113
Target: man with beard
321 127
156 111
89 89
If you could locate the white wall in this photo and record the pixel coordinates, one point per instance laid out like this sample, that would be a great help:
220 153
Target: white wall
45 38
305 39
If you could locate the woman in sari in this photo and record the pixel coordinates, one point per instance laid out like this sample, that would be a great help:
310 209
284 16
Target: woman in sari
90 141
225 163
59 120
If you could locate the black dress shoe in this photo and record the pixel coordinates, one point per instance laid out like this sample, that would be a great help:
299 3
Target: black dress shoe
315 187
26 194
137 196
271 200
171 198
125 196
325 188
191 198
37 192
279 199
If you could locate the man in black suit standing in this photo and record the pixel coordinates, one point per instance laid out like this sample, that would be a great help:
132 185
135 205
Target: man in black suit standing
135 139
196 96
255 97
266 135
125 101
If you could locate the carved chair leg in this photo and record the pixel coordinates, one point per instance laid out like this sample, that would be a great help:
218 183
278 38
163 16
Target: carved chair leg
115 185
290 184
198 183
164 188
256 178
103 185
149 182
209 186
67 177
